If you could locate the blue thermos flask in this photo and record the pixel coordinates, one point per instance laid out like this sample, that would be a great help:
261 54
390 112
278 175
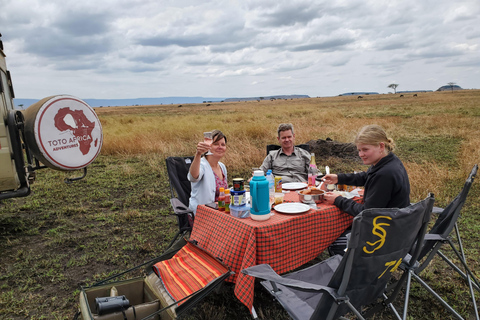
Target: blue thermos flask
260 200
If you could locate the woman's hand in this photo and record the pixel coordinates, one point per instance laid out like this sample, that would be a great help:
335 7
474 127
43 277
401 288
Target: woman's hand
330 179
202 147
331 196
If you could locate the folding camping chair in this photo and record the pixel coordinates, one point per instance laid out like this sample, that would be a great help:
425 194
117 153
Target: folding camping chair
439 235
379 240
273 147
180 188
156 295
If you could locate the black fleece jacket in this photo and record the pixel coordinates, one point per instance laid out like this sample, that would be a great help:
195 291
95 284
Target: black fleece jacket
386 186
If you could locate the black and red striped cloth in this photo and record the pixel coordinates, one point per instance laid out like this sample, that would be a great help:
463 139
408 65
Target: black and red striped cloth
284 241
188 271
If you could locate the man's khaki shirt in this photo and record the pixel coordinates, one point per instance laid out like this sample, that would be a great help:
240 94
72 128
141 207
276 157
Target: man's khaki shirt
292 168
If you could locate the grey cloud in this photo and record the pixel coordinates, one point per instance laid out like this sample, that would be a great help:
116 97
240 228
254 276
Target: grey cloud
393 46
393 42
328 45
147 57
473 34
77 65
220 37
469 62
291 66
82 23
433 53
185 41
229 47
290 14
51 44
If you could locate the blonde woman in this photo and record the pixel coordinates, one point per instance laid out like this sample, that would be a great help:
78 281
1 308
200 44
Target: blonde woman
207 174
386 181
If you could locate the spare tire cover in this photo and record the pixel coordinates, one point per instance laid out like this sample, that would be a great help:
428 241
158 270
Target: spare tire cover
63 132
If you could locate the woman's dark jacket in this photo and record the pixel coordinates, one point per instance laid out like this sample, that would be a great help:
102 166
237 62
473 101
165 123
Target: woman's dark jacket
386 186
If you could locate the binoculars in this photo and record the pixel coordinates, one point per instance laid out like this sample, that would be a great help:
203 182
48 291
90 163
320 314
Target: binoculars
107 305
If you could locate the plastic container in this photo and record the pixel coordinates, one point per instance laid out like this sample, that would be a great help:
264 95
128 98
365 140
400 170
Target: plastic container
259 208
279 196
238 198
238 184
241 212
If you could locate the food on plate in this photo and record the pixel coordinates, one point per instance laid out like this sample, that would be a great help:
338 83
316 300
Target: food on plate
312 191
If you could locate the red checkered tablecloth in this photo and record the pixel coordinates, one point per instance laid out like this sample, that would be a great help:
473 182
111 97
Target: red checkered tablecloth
284 241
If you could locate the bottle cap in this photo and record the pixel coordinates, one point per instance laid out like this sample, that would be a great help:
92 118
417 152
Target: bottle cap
221 189
258 173
227 190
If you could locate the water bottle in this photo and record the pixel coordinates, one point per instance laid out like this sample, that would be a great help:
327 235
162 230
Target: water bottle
271 186
259 194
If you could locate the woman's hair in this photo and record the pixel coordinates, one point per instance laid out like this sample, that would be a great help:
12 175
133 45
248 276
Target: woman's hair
284 127
218 135
373 135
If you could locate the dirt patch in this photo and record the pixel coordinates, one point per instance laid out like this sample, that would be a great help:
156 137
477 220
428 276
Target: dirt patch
328 148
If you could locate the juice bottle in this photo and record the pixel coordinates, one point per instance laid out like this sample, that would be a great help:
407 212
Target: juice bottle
221 199
312 175
312 159
227 201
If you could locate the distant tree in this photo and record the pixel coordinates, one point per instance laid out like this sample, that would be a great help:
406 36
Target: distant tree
393 86
451 84
21 106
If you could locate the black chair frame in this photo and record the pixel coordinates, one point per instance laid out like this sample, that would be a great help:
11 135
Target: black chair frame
180 188
273 147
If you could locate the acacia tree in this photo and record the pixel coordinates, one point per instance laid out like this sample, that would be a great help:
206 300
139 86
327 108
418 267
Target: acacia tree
393 86
451 84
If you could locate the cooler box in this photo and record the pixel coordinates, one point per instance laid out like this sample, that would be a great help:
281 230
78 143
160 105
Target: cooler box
159 289
147 295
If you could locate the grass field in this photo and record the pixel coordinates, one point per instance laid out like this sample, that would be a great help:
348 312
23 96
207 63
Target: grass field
63 236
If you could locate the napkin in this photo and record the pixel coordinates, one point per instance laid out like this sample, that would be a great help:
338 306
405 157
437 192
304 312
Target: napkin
352 194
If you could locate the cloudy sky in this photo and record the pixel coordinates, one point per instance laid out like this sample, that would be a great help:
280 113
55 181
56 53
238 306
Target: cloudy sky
112 49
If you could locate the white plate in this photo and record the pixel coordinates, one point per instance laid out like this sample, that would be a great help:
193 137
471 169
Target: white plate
292 208
294 186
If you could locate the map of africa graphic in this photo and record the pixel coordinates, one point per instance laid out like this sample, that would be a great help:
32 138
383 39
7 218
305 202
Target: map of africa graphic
76 122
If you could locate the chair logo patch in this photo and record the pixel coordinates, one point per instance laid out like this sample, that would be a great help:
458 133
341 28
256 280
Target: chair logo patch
380 232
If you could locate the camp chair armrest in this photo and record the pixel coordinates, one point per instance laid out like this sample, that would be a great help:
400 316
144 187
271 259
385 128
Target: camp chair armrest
264 271
437 210
179 208
434 237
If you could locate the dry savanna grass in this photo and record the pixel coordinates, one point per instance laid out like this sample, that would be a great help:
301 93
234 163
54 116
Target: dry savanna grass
65 235
437 133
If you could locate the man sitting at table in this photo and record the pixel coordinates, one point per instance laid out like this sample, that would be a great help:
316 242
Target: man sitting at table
289 162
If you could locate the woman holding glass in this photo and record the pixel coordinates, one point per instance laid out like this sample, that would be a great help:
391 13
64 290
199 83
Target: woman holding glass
207 174
386 180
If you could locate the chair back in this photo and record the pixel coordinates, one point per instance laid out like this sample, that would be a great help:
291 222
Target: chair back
379 241
446 220
273 147
177 169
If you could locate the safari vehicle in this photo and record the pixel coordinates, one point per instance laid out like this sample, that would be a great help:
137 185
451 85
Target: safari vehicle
60 132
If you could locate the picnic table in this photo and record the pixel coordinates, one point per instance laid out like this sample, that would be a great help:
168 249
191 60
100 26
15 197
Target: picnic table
285 241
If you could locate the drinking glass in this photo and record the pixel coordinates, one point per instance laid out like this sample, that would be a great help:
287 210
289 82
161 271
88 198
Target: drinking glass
208 139
331 187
